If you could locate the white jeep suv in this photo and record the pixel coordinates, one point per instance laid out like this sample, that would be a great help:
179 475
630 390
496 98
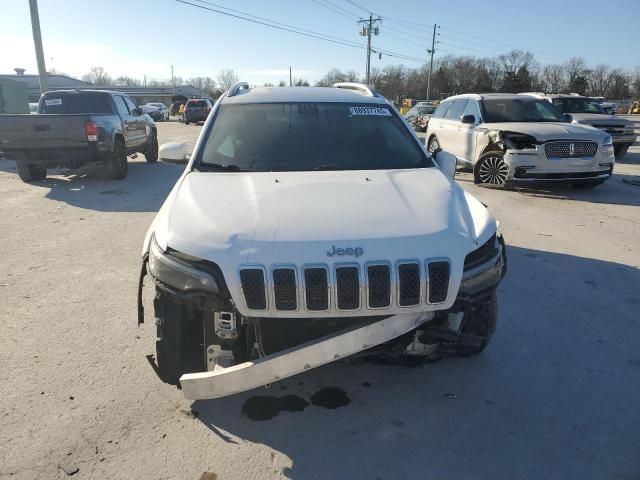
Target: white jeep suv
509 138
311 224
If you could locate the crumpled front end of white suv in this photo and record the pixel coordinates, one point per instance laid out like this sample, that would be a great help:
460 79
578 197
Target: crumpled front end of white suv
260 276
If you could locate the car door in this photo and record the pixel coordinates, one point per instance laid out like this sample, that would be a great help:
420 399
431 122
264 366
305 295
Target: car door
435 123
128 121
450 136
139 137
467 131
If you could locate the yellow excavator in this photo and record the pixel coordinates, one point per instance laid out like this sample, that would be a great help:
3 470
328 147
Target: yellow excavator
634 108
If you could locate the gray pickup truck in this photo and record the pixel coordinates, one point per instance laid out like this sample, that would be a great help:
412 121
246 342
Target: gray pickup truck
76 127
587 111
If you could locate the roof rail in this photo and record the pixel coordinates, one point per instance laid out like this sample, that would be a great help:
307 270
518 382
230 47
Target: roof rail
357 87
236 88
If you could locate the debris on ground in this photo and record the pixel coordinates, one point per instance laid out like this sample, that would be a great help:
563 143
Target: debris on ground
68 468
450 395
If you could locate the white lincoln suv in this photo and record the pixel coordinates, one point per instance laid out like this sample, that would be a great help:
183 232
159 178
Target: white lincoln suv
508 138
311 224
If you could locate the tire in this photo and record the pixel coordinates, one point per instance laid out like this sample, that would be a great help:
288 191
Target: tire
117 164
620 152
28 172
491 169
151 152
433 144
186 123
483 324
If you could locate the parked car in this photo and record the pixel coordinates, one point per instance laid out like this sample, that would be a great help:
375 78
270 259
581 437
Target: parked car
175 107
515 138
588 112
157 111
196 110
76 127
419 115
311 224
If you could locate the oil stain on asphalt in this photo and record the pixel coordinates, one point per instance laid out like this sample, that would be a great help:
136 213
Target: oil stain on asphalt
266 407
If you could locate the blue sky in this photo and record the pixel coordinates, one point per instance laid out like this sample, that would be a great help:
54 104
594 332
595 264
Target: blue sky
144 37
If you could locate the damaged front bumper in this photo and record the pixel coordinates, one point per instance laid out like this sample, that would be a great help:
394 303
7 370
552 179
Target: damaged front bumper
407 333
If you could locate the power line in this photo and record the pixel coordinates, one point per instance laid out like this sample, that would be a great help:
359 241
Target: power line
290 28
338 7
359 6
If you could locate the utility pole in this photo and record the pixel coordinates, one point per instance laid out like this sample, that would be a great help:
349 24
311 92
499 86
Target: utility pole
432 51
37 42
173 80
367 30
290 78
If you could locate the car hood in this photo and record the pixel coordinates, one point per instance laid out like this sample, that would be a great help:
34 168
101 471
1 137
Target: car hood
590 118
296 217
545 131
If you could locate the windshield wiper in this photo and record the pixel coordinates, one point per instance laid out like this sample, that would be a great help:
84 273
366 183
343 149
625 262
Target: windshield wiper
220 167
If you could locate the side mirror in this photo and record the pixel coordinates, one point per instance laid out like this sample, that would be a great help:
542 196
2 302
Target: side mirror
173 152
138 111
447 162
568 117
469 119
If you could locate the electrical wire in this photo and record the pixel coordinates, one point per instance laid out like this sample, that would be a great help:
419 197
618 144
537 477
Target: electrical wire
338 9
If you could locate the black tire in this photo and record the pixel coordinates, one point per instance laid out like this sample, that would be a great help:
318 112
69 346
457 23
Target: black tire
483 324
433 144
151 152
620 151
117 164
491 170
29 172
186 123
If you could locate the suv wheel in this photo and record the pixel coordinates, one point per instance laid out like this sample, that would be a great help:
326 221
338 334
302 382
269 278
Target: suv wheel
491 169
117 163
151 152
28 172
434 144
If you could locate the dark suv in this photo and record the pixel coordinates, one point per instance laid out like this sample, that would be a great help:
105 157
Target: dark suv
197 110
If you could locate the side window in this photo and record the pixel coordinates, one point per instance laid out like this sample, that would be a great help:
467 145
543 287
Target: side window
121 106
455 112
472 108
441 110
130 104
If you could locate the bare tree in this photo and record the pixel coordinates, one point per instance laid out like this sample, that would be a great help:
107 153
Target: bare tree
206 84
553 78
226 78
515 60
351 76
98 76
575 68
126 81
600 79
334 75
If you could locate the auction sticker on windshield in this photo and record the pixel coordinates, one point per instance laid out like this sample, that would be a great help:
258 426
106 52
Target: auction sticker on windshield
53 101
370 111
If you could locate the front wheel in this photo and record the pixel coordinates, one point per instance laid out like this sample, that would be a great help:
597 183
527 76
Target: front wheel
151 152
28 172
491 169
434 144
117 164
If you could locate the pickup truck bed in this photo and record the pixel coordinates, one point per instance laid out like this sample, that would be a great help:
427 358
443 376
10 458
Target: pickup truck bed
66 133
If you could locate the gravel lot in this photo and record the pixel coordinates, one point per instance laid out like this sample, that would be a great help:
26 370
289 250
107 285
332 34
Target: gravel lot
555 396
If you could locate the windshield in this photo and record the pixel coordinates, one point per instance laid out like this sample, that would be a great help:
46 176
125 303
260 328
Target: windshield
75 103
498 110
577 105
310 136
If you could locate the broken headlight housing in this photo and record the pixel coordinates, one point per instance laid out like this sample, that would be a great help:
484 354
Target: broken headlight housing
177 273
518 141
485 267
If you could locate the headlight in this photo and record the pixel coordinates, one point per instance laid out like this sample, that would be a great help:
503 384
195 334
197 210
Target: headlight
485 267
178 274
608 141
518 141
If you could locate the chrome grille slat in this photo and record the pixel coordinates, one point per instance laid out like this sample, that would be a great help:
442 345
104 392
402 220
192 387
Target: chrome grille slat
569 149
